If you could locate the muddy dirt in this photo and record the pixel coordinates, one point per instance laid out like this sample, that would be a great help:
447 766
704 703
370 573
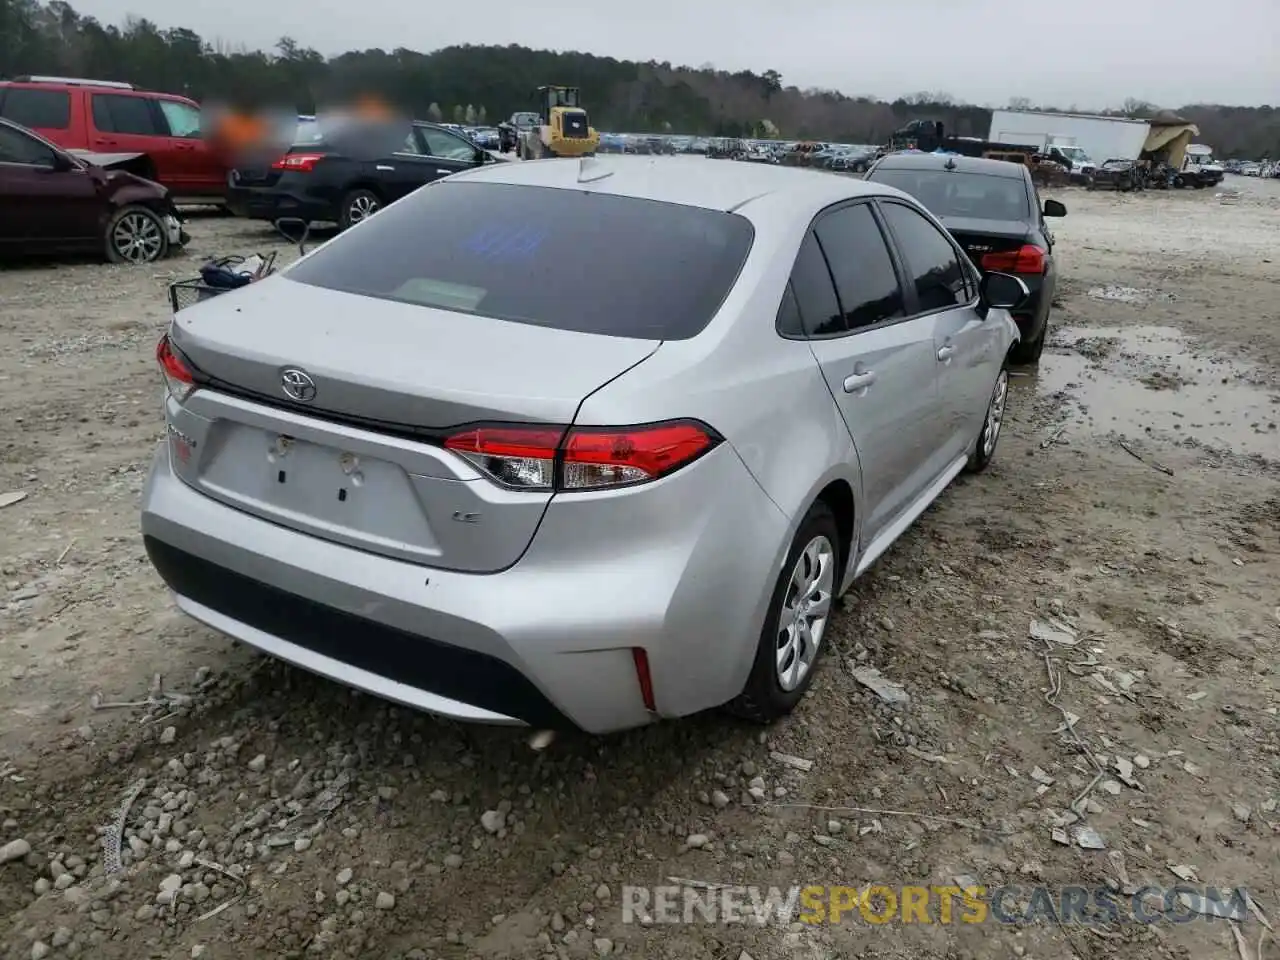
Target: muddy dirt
1133 511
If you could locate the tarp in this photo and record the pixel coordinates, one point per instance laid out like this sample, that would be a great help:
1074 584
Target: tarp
1172 138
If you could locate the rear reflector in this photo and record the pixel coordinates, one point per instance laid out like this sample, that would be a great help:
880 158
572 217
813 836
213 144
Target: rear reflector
645 678
178 379
1026 259
581 458
298 162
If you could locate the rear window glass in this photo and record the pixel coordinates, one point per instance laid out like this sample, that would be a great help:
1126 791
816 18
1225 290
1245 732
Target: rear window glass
307 132
572 260
951 194
47 109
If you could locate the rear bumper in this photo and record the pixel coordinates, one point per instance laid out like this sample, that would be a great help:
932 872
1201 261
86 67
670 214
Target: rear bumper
272 203
1032 317
683 571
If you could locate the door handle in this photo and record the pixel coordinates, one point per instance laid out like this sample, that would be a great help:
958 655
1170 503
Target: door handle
383 166
859 381
443 173
945 353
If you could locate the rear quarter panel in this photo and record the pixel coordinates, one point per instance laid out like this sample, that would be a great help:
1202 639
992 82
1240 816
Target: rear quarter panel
765 394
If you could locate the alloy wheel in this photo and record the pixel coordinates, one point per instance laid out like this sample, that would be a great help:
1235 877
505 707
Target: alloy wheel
995 414
362 208
137 238
806 606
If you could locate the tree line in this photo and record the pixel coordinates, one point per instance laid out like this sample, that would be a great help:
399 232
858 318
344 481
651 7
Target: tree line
486 83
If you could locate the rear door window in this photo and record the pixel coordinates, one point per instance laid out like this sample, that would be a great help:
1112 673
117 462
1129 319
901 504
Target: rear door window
567 259
115 113
866 282
38 109
933 263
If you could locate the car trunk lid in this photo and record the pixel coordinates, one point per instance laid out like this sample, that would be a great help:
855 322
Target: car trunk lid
979 237
359 459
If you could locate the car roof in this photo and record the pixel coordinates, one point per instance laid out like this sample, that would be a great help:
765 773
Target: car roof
691 181
940 161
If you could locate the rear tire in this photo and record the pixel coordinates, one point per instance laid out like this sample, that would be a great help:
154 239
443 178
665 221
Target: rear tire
985 449
357 206
136 234
800 608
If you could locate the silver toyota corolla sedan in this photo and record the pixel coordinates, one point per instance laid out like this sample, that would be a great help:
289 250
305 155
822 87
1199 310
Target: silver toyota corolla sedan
575 443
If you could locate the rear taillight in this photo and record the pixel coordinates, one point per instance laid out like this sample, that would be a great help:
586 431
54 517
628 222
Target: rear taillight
298 162
178 379
1026 259
581 458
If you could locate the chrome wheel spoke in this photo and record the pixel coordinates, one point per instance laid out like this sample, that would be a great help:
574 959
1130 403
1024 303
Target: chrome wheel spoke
806 606
995 414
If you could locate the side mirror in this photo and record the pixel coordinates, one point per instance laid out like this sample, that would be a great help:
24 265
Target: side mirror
1054 208
1002 291
61 163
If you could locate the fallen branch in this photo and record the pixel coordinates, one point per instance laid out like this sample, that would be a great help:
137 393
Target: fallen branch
1153 464
1050 440
65 550
1051 698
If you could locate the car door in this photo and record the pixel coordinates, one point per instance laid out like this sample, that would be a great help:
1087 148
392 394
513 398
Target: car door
196 168
132 123
46 205
879 365
401 171
450 152
944 298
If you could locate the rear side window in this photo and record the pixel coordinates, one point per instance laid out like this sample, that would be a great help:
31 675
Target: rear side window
866 282
113 113
567 259
934 265
814 293
38 109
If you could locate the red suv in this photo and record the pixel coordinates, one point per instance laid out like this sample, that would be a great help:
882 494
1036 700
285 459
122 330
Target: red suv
105 117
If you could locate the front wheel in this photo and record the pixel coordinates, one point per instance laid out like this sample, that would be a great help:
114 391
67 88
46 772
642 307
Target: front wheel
136 234
799 610
992 423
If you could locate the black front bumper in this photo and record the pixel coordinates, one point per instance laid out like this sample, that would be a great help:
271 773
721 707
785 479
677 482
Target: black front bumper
426 664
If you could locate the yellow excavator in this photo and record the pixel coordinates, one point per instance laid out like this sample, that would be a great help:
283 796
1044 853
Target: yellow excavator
564 130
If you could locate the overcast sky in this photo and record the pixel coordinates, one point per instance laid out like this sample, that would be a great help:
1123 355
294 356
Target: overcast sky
1087 54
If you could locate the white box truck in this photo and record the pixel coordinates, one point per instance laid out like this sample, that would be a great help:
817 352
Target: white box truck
1086 140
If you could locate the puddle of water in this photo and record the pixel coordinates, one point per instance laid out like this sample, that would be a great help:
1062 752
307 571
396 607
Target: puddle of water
1146 380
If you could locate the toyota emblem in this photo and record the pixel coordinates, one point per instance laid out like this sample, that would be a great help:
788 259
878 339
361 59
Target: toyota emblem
298 385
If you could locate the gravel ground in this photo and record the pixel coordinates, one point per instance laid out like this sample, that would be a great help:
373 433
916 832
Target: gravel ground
1134 508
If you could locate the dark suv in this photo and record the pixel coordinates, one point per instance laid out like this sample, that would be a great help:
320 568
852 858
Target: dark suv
350 172
53 202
